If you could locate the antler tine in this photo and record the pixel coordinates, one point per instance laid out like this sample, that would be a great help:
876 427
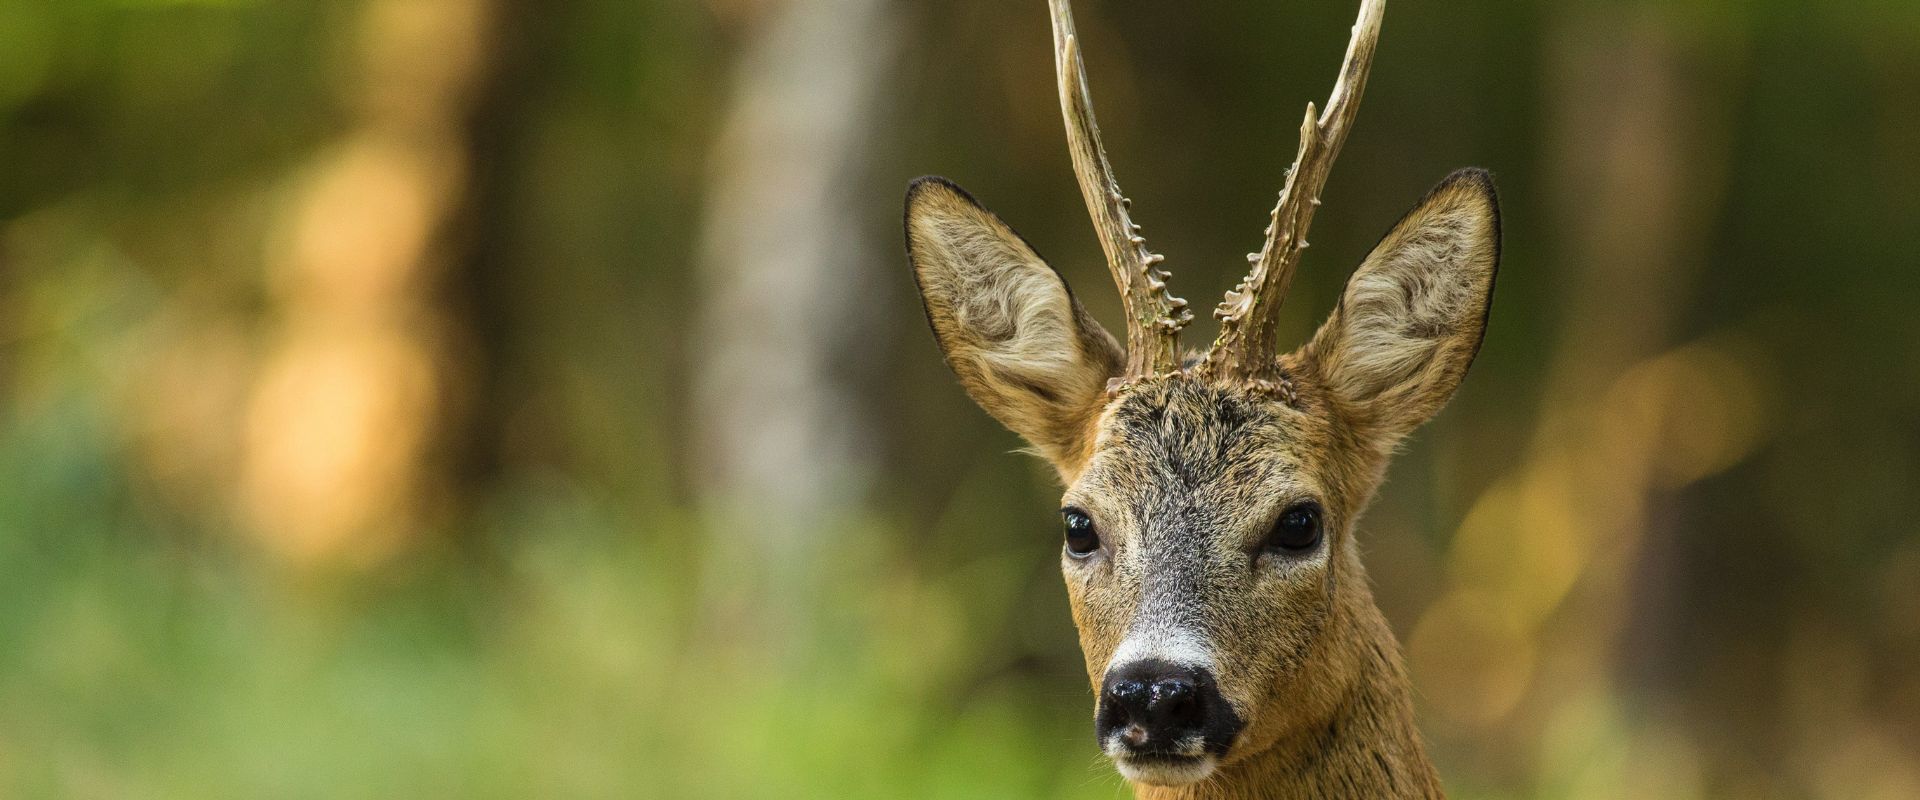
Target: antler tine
1154 317
1246 345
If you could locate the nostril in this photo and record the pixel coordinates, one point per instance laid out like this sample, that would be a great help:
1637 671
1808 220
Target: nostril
1173 701
1169 692
1131 696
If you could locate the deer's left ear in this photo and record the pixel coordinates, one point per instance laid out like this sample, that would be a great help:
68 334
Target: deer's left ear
1413 314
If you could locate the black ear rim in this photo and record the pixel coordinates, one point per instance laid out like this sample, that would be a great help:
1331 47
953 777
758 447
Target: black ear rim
1481 180
924 183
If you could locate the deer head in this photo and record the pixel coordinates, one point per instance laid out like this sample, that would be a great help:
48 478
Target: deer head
1209 548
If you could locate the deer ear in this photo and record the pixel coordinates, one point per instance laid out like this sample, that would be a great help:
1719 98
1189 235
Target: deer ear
1413 314
1022 346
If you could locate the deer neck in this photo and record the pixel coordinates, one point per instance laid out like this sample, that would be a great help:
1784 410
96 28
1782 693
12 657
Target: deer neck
1367 747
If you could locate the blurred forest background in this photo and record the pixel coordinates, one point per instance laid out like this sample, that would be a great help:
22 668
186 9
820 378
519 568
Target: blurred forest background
490 398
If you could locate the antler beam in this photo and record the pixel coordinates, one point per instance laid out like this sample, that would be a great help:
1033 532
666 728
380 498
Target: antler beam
1154 317
1246 346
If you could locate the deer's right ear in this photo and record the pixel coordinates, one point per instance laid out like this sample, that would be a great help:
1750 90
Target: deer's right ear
1413 314
1022 346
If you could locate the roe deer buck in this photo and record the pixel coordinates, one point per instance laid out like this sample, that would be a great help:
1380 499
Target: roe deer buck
1228 627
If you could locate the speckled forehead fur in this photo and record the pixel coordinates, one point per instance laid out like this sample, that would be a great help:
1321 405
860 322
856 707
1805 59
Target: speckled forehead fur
1185 479
1178 443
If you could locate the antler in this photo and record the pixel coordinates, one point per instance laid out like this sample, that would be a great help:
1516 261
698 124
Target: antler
1154 317
1246 346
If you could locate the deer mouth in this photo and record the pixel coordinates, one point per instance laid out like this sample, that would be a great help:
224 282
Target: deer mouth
1187 760
1165 769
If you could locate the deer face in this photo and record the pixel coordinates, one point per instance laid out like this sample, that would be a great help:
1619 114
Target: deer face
1199 562
1208 549
1210 504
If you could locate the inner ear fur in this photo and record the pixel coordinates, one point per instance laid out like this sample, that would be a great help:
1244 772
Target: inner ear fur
1022 346
1413 315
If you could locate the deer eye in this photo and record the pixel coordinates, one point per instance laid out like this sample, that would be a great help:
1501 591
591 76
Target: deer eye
1082 540
1297 529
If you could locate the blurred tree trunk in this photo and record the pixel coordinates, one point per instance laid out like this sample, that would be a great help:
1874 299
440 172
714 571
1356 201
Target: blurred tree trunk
784 269
349 417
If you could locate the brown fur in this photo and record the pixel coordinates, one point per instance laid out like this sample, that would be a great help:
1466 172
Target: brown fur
1184 477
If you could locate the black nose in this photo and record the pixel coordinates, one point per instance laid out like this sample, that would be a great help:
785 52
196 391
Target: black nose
1153 706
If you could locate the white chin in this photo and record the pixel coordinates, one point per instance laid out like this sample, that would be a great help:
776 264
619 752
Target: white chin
1164 772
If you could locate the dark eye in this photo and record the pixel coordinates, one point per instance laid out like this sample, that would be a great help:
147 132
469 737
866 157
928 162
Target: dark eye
1081 538
1297 529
